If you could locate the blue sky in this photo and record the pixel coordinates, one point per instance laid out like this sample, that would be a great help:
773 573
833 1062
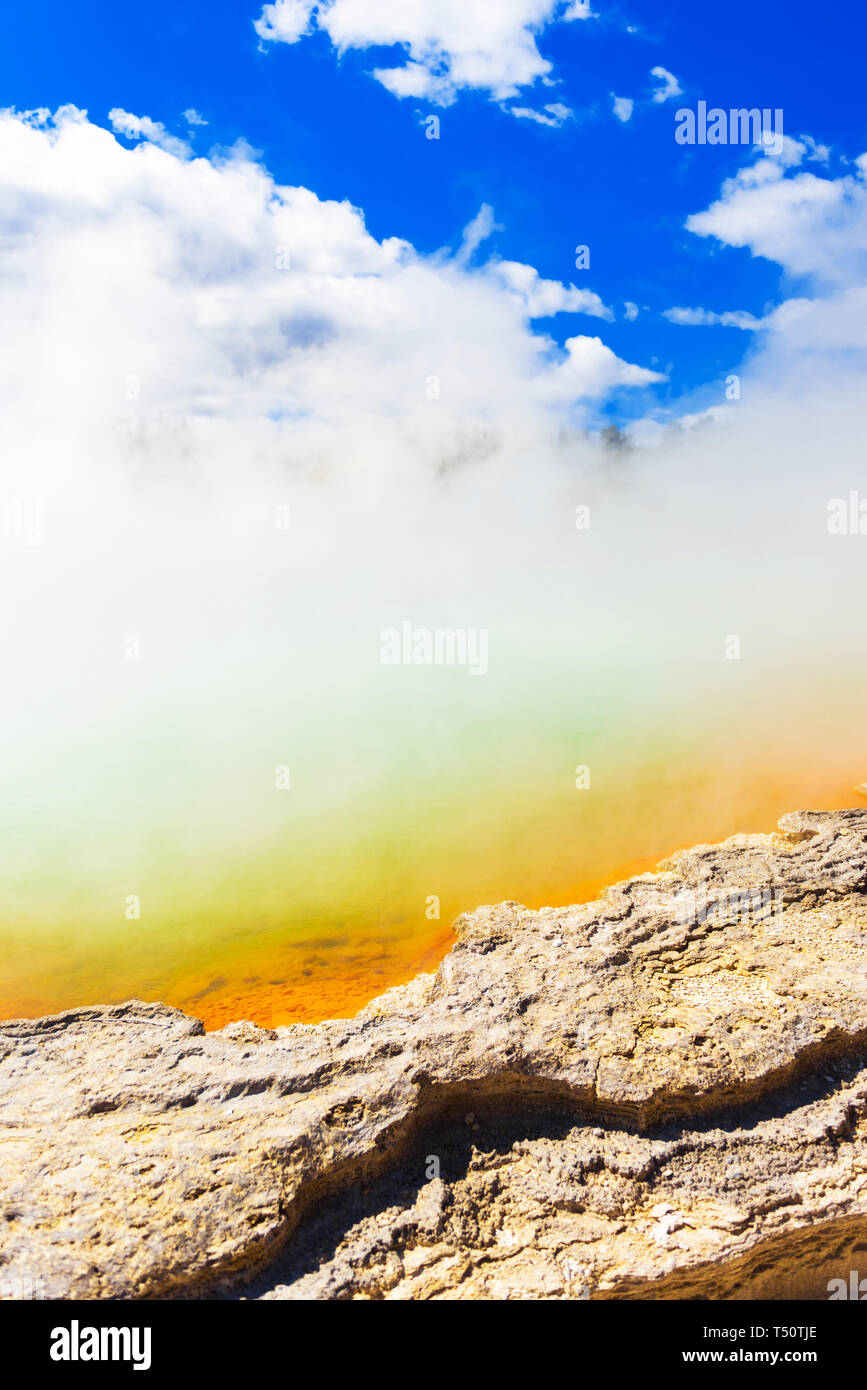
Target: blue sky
624 188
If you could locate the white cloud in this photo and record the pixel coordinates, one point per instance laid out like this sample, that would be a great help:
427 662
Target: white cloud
591 370
731 319
542 298
815 229
773 159
812 226
192 117
668 85
630 310
143 128
232 297
807 343
286 21
554 114
450 45
812 326
476 231
623 107
820 153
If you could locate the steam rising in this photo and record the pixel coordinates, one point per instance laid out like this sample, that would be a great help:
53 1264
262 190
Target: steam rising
240 440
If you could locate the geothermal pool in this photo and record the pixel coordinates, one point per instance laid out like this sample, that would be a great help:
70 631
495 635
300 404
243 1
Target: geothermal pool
316 909
243 775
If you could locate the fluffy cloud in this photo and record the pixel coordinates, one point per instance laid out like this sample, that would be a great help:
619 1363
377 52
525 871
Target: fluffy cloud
592 369
542 298
286 21
815 229
812 226
224 296
450 45
623 107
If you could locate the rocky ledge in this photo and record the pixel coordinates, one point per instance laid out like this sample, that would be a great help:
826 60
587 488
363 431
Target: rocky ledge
659 1094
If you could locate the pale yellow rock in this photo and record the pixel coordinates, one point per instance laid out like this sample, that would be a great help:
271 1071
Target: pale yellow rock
667 1090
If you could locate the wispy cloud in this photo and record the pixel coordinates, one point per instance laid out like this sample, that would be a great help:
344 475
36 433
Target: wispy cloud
143 128
475 232
489 47
667 84
706 317
554 114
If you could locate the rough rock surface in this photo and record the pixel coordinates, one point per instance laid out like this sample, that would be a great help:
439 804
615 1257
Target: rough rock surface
662 1093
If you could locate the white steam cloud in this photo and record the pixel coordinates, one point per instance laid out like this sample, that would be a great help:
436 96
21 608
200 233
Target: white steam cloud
244 435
